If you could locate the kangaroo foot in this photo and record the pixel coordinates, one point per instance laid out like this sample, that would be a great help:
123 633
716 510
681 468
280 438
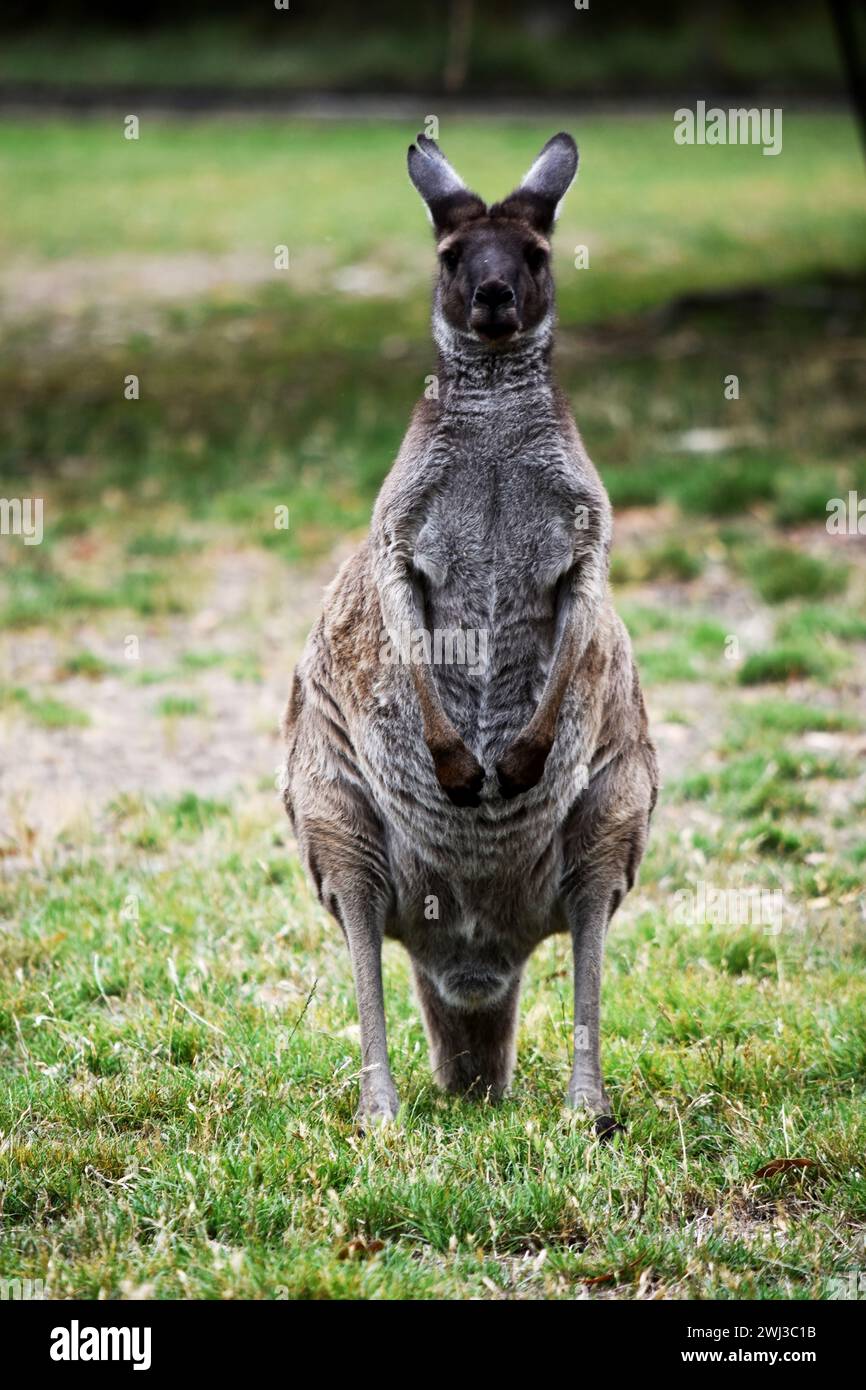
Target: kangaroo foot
376 1108
607 1128
595 1104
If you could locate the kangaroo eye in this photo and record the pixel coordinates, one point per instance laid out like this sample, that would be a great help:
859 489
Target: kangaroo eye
536 259
450 258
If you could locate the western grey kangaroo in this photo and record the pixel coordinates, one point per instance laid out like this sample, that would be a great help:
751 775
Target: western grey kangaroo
469 810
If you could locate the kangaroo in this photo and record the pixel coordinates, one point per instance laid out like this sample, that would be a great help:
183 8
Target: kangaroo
471 809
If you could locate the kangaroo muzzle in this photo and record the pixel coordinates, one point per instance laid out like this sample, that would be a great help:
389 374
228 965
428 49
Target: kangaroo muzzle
493 312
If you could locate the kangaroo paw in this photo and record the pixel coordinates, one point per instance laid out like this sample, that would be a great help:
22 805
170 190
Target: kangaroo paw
460 775
521 767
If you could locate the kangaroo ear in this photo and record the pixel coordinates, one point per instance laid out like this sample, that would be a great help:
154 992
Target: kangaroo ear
448 199
545 185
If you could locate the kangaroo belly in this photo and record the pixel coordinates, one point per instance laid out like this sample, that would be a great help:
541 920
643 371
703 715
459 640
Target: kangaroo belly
512 843
471 936
489 657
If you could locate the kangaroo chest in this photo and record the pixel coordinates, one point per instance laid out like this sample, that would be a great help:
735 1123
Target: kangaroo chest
496 537
497 533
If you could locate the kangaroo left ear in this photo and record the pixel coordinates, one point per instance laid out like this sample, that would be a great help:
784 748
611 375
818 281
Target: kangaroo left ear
545 185
448 199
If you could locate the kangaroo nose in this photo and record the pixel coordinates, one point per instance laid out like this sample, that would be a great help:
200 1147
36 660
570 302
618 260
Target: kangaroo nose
494 294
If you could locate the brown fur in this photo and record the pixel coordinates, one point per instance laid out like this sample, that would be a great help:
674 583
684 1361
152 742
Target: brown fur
470 814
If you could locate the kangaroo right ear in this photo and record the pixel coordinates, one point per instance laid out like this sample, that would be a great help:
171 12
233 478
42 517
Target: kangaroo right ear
448 199
545 185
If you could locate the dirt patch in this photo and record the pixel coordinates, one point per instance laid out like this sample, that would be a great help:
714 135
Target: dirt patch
131 288
251 627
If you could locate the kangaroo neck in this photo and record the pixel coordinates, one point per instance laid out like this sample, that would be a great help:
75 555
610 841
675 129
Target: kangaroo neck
474 376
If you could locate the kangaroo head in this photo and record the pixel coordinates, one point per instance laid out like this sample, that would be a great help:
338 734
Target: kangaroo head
495 281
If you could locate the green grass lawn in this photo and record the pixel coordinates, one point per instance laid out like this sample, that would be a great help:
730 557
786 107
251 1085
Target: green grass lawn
182 1067
177 1027
656 217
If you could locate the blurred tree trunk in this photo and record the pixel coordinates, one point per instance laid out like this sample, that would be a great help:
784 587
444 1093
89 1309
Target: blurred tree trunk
459 41
848 37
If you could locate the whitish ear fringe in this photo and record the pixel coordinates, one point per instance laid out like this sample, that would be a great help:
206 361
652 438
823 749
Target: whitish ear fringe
530 179
431 173
537 178
443 174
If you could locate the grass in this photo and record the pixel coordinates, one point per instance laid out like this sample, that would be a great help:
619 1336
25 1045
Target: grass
177 1026
780 572
784 663
216 188
179 706
767 783
672 560
220 186
43 709
85 663
39 588
757 720
184 1062
819 621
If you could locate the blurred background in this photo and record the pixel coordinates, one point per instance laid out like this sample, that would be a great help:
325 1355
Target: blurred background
478 48
256 263
220 326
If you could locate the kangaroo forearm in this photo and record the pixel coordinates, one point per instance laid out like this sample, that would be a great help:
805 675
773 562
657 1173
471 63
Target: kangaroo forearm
542 726
576 617
402 615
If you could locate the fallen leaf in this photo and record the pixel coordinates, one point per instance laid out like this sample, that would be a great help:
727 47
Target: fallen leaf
784 1165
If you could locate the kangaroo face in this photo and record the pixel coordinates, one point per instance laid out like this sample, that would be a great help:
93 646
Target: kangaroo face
494 278
494 263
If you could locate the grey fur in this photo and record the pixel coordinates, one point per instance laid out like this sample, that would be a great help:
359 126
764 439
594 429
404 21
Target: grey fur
470 814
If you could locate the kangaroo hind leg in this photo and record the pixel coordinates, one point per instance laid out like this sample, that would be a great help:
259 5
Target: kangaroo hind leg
349 871
604 843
